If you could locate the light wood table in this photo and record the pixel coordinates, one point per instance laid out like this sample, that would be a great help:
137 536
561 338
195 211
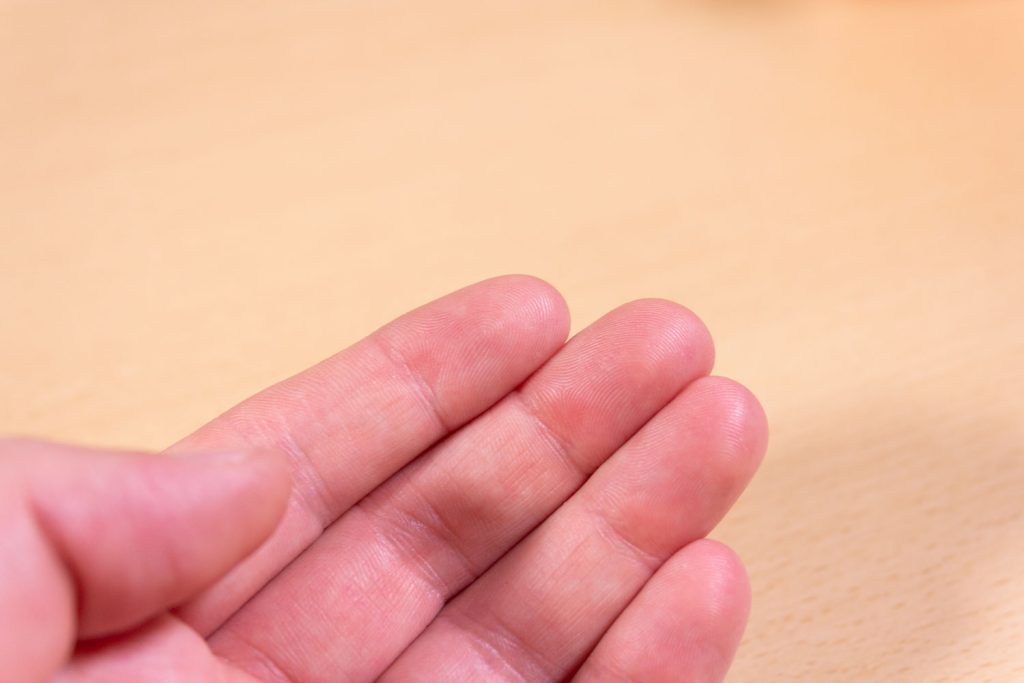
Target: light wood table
197 199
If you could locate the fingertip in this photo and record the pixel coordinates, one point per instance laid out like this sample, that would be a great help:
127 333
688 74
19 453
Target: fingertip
257 488
715 591
471 347
270 479
709 590
255 485
537 300
734 425
685 624
671 330
727 593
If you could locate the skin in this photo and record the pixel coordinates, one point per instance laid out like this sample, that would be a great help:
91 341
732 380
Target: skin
460 496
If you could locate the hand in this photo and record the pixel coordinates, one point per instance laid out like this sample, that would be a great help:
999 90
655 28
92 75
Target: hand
471 499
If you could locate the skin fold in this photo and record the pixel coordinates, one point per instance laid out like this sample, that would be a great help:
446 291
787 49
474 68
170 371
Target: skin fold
462 495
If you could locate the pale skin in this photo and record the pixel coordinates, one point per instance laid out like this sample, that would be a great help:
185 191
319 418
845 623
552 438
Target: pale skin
460 496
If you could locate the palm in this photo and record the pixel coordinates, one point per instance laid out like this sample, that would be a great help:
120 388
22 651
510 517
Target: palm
473 500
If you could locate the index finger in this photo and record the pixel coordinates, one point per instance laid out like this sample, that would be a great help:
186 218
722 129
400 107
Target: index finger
350 422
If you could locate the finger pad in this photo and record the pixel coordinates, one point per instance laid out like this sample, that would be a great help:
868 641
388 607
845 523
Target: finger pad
684 625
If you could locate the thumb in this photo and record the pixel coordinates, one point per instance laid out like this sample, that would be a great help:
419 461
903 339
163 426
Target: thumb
94 542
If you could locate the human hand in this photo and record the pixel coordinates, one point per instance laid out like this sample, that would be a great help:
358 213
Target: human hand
471 500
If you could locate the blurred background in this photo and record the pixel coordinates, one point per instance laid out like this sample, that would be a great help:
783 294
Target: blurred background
198 199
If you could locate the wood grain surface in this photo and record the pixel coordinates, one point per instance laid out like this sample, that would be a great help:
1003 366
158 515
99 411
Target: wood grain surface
197 199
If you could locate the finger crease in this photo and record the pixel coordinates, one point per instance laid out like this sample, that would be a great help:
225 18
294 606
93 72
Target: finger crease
315 496
610 532
558 444
421 387
400 534
442 530
499 646
258 662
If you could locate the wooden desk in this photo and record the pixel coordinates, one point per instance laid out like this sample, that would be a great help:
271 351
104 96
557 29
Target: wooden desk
198 199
